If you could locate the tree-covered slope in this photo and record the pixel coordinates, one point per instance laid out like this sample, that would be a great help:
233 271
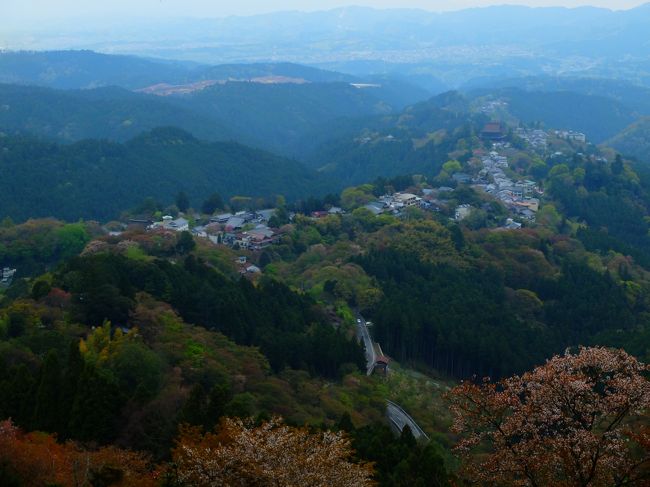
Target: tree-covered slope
634 140
99 179
279 117
77 69
85 69
105 113
634 96
417 140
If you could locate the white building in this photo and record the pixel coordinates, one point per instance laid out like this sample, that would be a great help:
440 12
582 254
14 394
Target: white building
406 199
462 212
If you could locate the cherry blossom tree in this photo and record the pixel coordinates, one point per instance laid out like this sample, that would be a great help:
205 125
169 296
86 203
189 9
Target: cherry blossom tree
578 420
272 454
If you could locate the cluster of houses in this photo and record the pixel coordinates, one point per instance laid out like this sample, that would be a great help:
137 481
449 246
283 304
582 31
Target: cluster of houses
7 276
170 223
394 203
334 210
376 138
246 267
518 196
536 138
243 230
571 136
493 106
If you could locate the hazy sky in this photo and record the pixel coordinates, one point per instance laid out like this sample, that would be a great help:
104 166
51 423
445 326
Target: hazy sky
38 13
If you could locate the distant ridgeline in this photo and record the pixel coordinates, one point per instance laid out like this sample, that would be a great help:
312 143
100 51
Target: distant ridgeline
280 107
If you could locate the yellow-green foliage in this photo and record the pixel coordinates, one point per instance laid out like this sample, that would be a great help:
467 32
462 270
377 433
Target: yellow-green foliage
426 238
200 354
136 253
352 198
422 397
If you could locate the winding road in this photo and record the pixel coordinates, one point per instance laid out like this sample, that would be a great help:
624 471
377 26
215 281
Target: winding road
400 418
364 335
396 415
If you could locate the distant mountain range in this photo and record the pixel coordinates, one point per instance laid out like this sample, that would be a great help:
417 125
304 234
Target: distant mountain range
274 117
88 70
453 46
348 128
278 107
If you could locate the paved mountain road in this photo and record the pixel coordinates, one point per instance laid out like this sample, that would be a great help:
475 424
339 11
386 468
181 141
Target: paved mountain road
395 414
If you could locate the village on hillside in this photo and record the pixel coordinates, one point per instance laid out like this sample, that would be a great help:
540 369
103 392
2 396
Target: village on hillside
489 172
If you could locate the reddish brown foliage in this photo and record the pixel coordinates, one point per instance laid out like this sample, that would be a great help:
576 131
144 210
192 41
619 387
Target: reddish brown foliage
566 423
37 459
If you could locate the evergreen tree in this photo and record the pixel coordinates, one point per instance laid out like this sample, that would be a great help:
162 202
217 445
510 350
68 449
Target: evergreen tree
212 204
345 423
617 165
69 384
96 407
406 437
46 412
220 396
194 411
19 396
185 243
265 259
182 201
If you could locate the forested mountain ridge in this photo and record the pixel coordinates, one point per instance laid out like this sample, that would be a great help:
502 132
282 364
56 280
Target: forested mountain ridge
417 140
635 96
87 69
96 179
634 140
105 113
279 117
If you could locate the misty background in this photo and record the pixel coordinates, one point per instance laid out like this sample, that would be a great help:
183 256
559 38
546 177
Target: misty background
313 81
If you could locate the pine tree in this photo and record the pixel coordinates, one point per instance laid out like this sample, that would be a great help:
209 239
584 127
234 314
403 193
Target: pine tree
182 201
96 407
69 384
345 423
19 396
185 243
617 165
220 396
407 438
195 408
212 204
46 411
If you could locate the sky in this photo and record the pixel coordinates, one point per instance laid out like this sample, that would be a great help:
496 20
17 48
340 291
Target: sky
40 13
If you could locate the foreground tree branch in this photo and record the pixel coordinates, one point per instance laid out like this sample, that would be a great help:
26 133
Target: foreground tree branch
579 420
